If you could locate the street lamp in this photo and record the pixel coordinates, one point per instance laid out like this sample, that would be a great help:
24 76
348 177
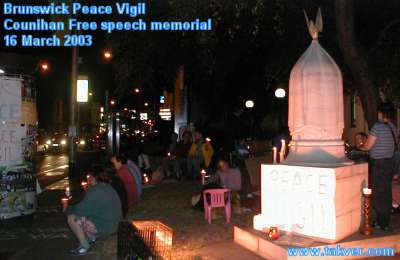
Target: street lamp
146 104
280 93
2 71
44 66
112 102
107 54
137 90
249 104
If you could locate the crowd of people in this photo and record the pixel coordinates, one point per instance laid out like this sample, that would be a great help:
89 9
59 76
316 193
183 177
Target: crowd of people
116 186
114 189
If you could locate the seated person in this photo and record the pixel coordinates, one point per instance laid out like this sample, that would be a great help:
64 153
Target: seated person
360 138
98 214
356 154
226 177
108 175
136 173
242 151
177 157
127 178
229 178
200 154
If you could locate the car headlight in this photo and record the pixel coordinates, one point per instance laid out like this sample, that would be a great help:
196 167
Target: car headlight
82 142
48 142
63 142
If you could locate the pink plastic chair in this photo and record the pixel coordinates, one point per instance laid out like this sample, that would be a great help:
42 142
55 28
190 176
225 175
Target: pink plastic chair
217 199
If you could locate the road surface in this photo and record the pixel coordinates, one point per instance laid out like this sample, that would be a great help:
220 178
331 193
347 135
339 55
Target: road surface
52 171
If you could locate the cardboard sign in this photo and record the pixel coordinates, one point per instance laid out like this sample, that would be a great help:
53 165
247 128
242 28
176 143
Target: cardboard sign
10 118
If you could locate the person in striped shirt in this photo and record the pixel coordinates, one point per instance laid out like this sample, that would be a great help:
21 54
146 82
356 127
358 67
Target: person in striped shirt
381 144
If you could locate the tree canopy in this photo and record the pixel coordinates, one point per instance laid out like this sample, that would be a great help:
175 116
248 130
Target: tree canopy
251 50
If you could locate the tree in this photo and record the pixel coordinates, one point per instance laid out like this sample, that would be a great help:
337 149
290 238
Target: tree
356 59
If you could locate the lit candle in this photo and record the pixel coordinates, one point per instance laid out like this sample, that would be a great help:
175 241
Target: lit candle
203 174
84 185
273 233
367 191
67 192
283 147
89 178
64 203
274 155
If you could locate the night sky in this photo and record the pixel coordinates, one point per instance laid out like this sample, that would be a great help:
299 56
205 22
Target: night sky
371 17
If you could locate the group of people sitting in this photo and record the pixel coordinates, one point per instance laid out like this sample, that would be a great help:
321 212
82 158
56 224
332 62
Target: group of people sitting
114 189
187 157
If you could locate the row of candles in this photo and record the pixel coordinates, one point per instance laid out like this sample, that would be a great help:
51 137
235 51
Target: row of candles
282 152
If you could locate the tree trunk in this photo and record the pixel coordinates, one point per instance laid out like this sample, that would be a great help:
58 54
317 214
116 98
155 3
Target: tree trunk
356 59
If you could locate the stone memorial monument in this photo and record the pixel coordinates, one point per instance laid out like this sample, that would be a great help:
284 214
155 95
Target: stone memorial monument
316 191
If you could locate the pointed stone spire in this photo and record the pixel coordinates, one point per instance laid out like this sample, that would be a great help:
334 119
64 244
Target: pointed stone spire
316 106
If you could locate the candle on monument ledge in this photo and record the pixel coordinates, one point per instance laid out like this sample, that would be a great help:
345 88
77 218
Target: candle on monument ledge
367 191
283 147
273 233
274 155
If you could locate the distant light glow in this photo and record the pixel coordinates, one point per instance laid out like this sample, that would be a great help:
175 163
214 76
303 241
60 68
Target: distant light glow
82 91
107 54
2 71
143 116
249 104
280 93
44 66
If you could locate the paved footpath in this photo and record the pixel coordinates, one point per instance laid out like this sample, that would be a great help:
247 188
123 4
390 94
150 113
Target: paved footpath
46 236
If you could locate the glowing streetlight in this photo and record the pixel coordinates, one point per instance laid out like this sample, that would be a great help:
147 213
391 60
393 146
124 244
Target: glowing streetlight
280 93
137 90
44 66
2 71
90 93
249 104
112 102
107 54
146 104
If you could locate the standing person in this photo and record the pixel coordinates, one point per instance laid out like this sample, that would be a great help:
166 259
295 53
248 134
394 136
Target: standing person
96 215
127 178
381 144
200 154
